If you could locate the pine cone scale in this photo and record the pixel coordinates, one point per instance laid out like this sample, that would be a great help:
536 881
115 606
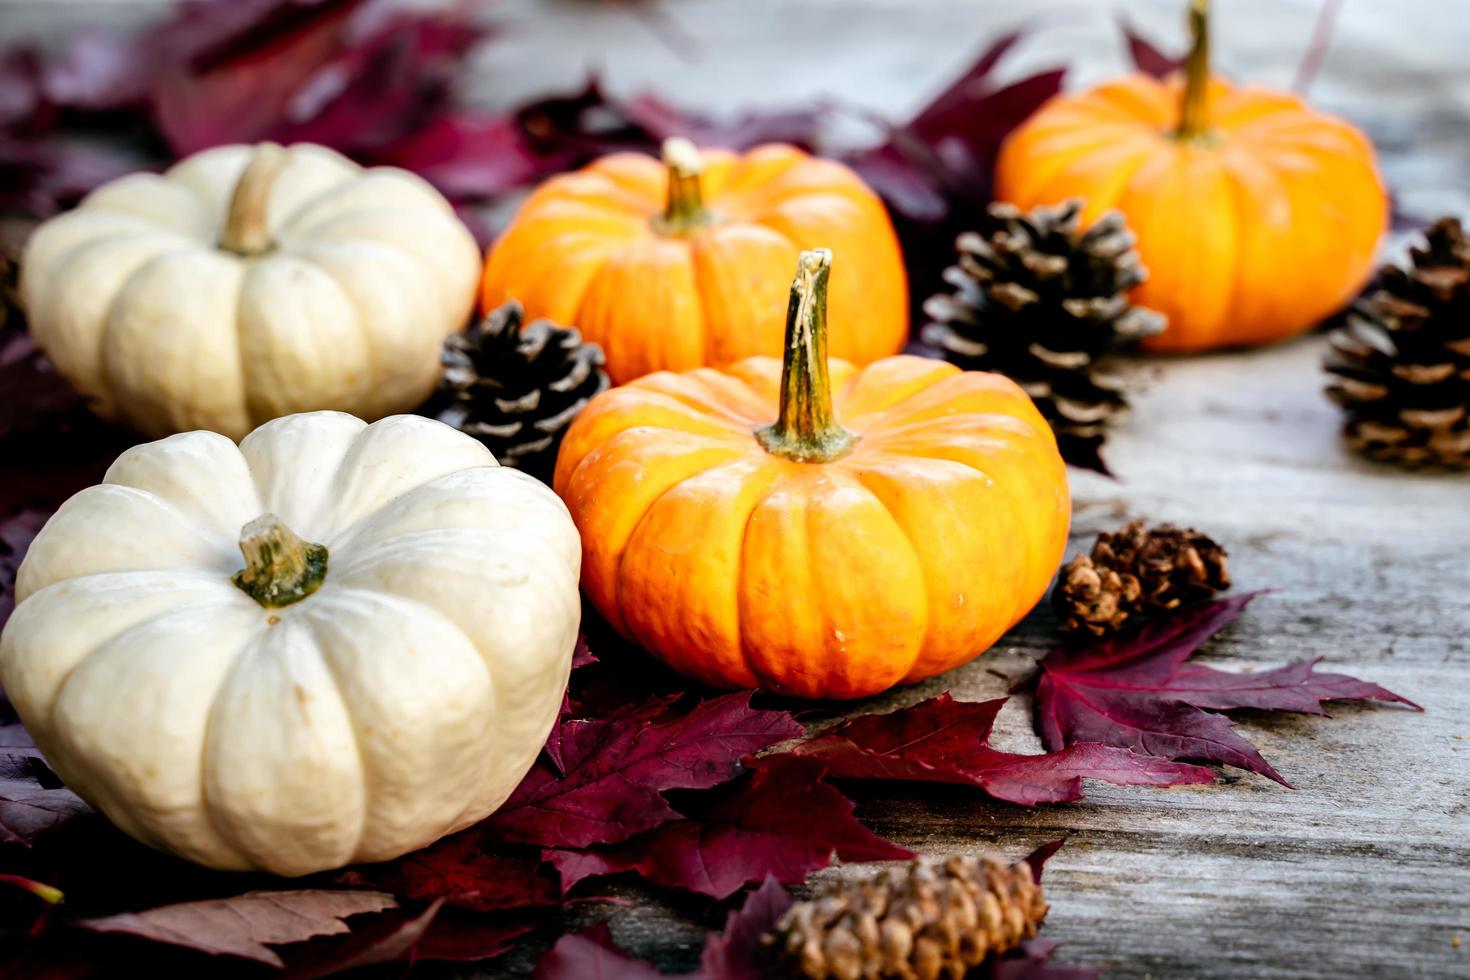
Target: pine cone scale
920 922
1137 572
517 387
1041 300
1401 364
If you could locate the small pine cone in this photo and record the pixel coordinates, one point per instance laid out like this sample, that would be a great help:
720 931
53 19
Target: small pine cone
1137 572
920 922
515 388
1402 362
1042 301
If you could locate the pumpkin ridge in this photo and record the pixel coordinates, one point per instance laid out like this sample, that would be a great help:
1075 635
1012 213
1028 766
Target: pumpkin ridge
256 646
419 608
696 408
1013 504
747 468
107 319
617 576
307 622
65 769
436 270
860 476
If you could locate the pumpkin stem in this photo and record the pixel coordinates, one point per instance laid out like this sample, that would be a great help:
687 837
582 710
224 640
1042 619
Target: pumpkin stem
280 568
685 206
245 231
1194 123
805 430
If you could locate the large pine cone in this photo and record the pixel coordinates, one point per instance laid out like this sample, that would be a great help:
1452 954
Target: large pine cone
920 922
1041 301
1402 362
515 388
1135 573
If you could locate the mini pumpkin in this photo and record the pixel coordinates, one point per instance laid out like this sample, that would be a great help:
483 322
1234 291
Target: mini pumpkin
250 282
1256 215
890 523
347 695
686 263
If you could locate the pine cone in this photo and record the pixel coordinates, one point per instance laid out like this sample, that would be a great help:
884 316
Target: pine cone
517 389
1042 303
1137 572
1402 363
919 922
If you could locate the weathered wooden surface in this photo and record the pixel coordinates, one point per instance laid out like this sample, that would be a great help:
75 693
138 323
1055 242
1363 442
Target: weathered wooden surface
1363 869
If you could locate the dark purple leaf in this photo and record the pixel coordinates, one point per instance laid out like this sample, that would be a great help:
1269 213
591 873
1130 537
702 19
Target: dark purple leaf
738 953
391 936
943 741
592 955
469 938
1038 858
616 769
461 870
783 820
245 925
1032 961
1137 692
33 802
1147 58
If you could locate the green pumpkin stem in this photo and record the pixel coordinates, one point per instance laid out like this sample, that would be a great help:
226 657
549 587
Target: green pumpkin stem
280 568
685 206
805 430
246 231
1194 122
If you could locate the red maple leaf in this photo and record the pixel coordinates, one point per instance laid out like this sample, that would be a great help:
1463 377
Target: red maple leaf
463 871
245 925
617 768
781 820
944 741
592 955
740 953
1137 692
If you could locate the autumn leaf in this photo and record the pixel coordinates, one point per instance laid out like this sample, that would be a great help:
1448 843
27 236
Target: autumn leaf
33 802
457 937
592 955
942 740
616 769
246 925
739 953
936 171
1032 960
1146 57
462 870
1136 691
782 820
391 936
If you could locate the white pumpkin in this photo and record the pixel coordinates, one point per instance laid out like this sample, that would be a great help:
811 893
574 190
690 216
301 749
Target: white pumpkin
246 283
348 716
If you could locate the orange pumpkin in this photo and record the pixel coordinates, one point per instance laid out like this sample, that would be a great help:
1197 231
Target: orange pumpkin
1256 216
682 264
891 523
